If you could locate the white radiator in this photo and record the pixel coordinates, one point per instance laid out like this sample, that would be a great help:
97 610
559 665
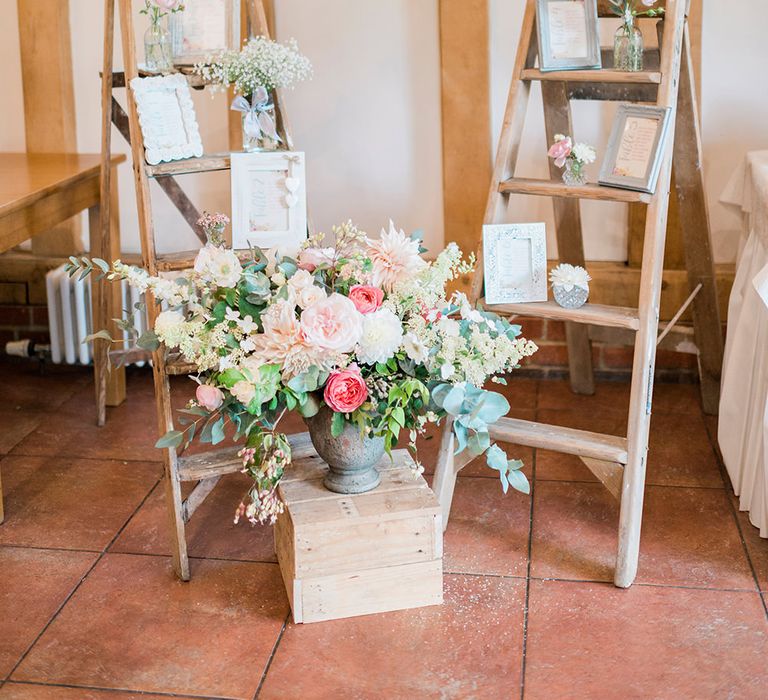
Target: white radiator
70 320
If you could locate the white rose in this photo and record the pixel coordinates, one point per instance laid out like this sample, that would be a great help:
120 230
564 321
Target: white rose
382 336
168 322
305 291
243 391
218 266
414 348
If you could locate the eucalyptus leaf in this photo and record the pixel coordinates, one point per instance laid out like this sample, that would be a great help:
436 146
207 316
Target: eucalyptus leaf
173 438
337 424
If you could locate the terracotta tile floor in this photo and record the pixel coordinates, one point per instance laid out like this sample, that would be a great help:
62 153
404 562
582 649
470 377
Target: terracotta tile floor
89 607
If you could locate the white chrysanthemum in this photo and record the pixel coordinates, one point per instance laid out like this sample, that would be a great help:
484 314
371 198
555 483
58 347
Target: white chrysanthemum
395 258
218 266
168 323
382 335
569 276
584 153
415 348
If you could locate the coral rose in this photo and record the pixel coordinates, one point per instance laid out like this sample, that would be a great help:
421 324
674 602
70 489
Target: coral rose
209 397
366 299
332 323
345 390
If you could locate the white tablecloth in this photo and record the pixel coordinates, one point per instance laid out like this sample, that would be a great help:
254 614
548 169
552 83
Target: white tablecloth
743 424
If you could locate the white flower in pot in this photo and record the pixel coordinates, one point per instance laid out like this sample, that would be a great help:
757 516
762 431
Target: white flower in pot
570 285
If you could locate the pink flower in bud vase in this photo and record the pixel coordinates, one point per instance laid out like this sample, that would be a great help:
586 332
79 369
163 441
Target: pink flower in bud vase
167 5
560 149
209 397
345 390
365 298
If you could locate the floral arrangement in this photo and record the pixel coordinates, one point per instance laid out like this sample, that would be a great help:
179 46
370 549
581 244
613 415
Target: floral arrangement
157 9
262 63
573 156
363 326
628 10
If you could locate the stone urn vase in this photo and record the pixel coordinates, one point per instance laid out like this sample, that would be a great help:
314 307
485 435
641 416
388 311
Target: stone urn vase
351 457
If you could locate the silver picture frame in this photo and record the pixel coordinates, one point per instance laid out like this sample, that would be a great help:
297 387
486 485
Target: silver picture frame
568 35
515 263
634 153
204 29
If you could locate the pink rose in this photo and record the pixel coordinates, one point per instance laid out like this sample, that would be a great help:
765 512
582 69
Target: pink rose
310 258
560 150
332 323
366 299
209 397
345 390
649 3
166 5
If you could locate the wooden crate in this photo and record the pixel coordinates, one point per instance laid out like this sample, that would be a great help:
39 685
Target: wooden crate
345 555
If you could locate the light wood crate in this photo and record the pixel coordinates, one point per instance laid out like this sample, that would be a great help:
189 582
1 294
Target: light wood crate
345 555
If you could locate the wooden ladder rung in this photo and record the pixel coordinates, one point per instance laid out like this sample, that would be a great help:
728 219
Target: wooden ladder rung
604 75
224 460
557 188
204 164
177 366
609 448
185 260
593 314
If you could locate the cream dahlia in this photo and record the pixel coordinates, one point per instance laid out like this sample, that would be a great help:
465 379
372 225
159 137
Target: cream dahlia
395 257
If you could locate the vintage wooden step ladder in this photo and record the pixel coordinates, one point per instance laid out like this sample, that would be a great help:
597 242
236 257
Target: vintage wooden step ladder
205 468
619 462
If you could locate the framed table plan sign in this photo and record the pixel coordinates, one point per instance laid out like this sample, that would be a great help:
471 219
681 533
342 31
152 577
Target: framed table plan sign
167 118
633 157
269 200
568 34
515 263
205 28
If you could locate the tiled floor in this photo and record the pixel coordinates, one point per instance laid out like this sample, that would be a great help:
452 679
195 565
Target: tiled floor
89 607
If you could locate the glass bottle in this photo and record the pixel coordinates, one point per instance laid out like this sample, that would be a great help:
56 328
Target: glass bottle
628 46
158 49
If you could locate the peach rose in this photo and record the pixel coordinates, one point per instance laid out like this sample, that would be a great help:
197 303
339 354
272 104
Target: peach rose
310 258
560 150
332 323
345 390
366 299
209 397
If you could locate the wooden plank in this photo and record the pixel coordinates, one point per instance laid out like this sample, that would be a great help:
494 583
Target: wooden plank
465 104
554 437
370 591
616 316
570 242
197 496
605 75
205 164
510 137
557 188
609 473
688 156
638 424
49 101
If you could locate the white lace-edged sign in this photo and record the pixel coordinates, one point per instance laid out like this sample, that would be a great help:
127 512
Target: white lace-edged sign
167 118
515 263
269 200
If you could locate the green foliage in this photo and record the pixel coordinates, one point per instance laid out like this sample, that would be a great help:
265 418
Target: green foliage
337 424
509 470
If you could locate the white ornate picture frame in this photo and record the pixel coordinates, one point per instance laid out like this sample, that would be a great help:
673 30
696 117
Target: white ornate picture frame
568 35
203 29
167 118
515 263
634 154
269 200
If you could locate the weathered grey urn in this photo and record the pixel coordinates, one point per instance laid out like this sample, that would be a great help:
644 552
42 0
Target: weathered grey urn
351 457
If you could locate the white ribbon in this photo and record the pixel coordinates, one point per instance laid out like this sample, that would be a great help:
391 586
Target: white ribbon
258 122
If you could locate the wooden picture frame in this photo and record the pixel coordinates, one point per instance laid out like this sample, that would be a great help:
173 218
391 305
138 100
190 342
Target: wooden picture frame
204 28
515 263
634 154
568 35
167 118
269 200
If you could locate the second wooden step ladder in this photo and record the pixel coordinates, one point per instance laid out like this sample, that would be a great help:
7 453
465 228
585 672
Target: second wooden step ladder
619 462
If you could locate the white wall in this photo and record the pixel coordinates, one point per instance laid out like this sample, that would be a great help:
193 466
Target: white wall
370 119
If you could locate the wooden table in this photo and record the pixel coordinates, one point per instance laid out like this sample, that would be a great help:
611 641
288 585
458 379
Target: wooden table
39 191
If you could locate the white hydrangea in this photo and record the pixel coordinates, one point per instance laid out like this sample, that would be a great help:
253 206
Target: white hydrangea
381 338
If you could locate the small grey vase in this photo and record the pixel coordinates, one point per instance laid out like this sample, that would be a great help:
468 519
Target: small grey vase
351 457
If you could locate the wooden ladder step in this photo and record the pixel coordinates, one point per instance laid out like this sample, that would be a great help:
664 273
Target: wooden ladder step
609 448
185 260
224 460
604 75
593 314
557 188
204 164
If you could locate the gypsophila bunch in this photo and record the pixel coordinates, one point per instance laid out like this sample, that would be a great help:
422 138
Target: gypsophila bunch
261 63
213 226
364 326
